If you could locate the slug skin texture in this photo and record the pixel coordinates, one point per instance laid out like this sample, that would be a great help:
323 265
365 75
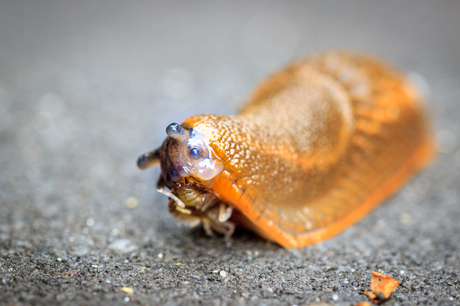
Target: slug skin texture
317 147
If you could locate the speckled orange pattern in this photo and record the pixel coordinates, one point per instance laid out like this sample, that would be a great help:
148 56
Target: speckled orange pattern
318 145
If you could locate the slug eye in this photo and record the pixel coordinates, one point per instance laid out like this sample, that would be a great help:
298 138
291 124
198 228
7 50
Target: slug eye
194 153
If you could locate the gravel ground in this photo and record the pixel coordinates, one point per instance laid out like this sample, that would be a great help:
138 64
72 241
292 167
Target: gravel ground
87 86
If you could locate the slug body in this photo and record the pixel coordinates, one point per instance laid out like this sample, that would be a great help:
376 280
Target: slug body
318 145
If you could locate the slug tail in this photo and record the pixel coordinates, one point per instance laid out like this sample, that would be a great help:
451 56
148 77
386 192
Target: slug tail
422 157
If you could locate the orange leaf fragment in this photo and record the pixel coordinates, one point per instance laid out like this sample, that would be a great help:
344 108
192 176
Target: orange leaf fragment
382 286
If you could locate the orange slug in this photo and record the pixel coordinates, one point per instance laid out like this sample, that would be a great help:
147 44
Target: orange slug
317 147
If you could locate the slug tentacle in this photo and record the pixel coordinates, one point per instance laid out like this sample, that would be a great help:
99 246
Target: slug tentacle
149 159
318 145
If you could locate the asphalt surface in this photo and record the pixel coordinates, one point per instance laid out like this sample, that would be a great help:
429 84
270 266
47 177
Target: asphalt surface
87 86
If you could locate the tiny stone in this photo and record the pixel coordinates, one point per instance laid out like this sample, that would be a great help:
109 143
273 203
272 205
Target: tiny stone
405 218
132 202
90 222
160 255
128 290
223 273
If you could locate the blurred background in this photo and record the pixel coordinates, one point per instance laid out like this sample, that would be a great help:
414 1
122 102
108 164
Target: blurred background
87 86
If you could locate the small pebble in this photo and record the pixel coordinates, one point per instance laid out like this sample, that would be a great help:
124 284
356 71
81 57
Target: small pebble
405 218
90 222
128 290
132 202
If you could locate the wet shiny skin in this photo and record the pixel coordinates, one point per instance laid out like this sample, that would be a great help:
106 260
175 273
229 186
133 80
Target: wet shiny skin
317 147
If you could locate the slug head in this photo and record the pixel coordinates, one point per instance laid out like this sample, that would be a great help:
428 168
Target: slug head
184 153
188 166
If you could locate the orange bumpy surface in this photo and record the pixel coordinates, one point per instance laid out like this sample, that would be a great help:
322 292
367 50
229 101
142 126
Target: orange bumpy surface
318 146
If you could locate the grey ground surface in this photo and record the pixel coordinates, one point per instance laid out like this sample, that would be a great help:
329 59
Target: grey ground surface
87 86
